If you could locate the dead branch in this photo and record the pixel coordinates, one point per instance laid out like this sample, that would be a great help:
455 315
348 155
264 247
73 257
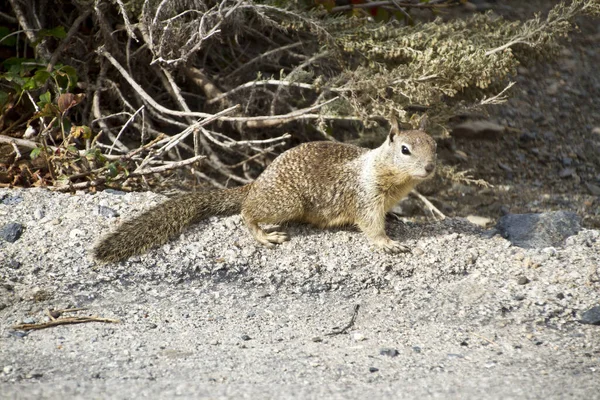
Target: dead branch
345 329
55 320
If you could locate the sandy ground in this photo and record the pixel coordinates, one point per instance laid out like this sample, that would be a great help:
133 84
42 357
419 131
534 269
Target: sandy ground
214 315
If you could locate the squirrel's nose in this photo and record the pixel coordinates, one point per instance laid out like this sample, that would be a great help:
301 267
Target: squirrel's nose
429 168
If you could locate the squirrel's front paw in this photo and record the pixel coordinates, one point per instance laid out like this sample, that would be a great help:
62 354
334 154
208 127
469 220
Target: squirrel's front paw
391 246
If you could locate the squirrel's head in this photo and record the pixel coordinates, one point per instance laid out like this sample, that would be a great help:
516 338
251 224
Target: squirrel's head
412 152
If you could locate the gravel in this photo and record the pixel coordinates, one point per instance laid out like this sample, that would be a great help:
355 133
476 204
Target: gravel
450 320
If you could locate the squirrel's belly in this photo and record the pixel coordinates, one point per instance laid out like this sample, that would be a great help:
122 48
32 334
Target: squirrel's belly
325 220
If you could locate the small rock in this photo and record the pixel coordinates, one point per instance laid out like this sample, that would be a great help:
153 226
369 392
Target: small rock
14 264
38 214
389 352
566 173
114 191
542 230
33 375
596 130
549 136
522 280
317 339
29 321
552 89
373 369
593 189
527 137
12 200
478 5
417 251
505 167
478 130
8 369
519 297
75 233
358 337
245 337
479 221
152 325
107 212
591 316
567 161
416 349
560 296
11 232
19 334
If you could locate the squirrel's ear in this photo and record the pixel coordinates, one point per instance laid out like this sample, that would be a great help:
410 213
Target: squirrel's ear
394 129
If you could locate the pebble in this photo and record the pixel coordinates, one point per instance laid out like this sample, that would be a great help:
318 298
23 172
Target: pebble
373 369
245 337
38 214
389 352
75 233
317 339
107 212
591 316
541 230
479 221
416 349
358 337
478 129
8 369
12 200
523 280
11 232
505 167
567 161
566 173
593 189
33 375
527 137
417 251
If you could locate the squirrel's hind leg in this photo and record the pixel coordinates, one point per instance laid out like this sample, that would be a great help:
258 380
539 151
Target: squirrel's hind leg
269 239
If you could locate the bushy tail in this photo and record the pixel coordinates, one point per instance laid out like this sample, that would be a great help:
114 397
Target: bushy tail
166 221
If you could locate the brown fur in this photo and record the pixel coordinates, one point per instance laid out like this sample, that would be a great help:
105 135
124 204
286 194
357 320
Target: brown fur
321 183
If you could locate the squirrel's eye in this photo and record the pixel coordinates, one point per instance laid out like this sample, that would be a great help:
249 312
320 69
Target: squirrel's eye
405 150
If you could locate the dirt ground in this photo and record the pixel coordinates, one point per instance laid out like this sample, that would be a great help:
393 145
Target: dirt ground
549 156
214 315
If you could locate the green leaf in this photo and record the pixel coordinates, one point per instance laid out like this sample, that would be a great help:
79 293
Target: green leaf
4 96
58 32
20 66
68 76
35 153
46 97
112 169
40 77
66 124
7 41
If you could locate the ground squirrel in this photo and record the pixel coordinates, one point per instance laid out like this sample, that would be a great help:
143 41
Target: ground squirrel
322 183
